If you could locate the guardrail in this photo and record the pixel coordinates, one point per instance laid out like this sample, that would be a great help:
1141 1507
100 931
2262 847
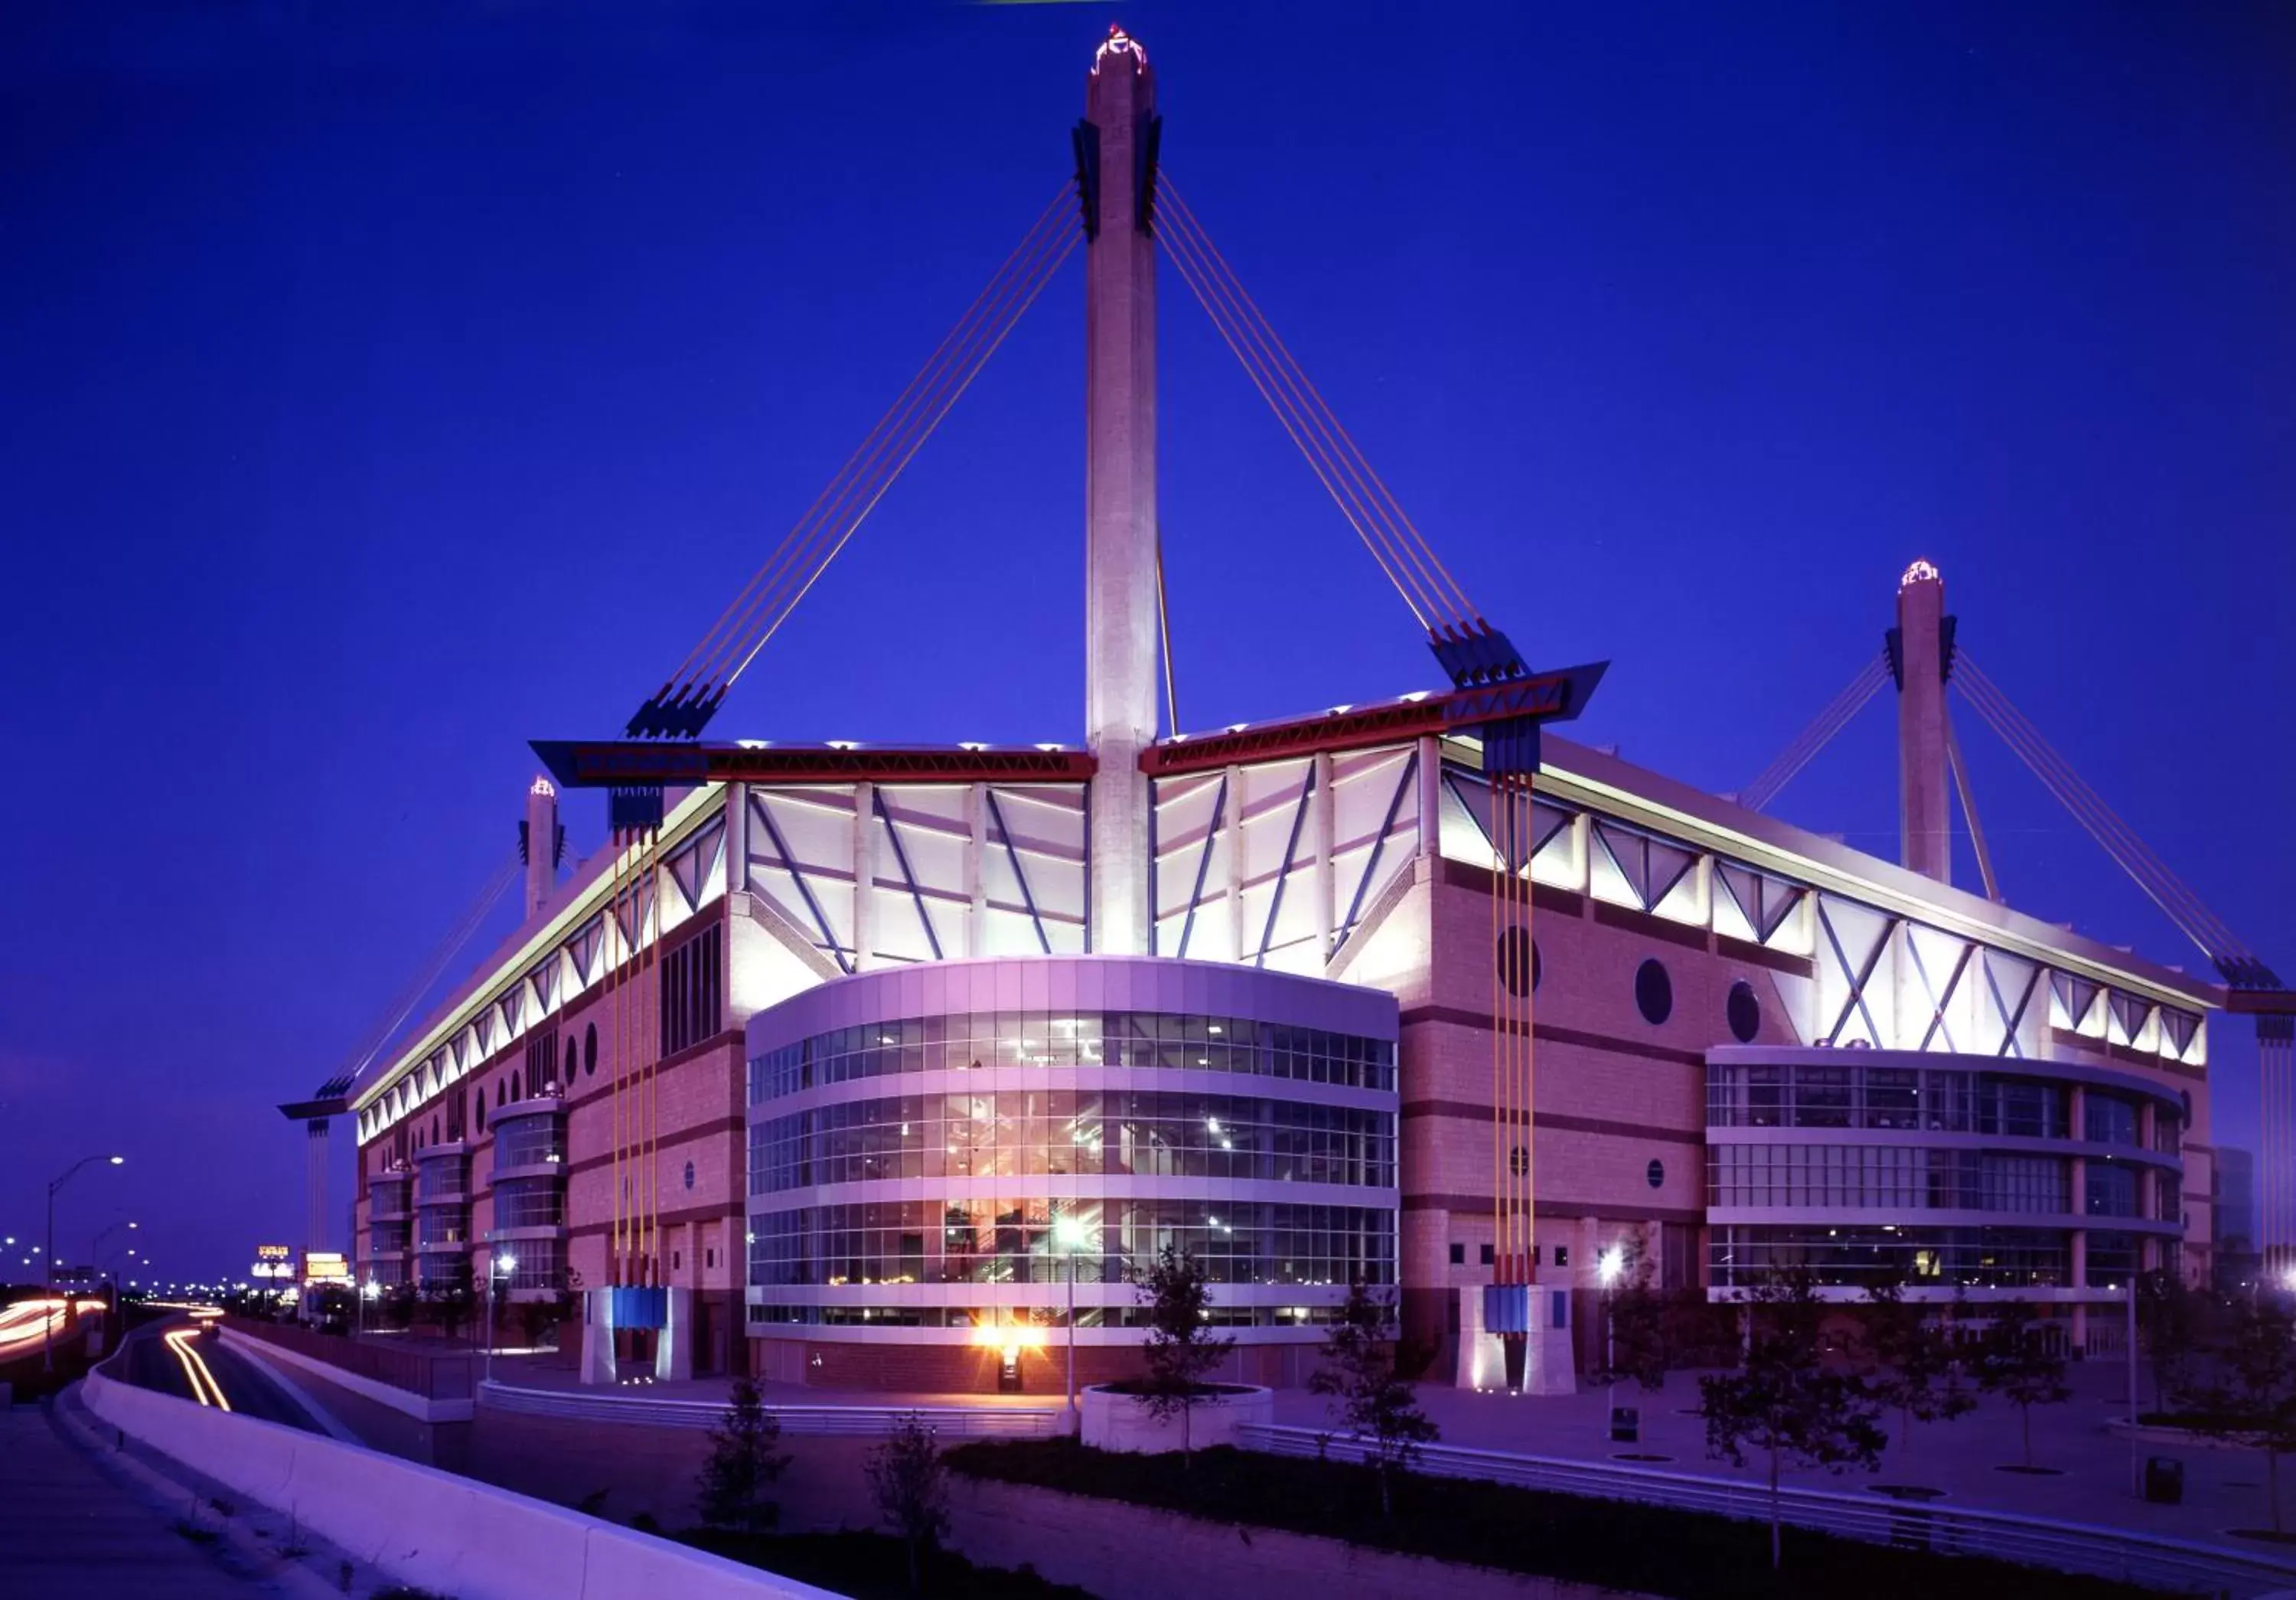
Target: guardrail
2139 1558
423 1526
867 1422
433 1375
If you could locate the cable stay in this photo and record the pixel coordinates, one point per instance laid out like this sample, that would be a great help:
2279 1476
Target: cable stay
2238 963
1471 650
692 693
1962 787
402 1005
1757 795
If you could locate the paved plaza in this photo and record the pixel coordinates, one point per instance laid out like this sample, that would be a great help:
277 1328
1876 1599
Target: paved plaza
2091 1477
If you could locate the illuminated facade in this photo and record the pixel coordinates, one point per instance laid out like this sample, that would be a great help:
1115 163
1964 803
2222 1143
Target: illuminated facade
834 1057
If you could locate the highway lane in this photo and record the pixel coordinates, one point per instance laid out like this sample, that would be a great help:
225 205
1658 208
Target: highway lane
172 1358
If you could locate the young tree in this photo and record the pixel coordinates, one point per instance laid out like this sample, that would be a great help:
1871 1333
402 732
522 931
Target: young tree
740 1472
1369 1395
2016 1362
1640 1332
2168 1320
1918 1369
910 1486
2252 1398
450 1303
1180 1349
1784 1403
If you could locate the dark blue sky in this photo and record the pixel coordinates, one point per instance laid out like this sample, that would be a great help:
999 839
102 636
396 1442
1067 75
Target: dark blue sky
379 396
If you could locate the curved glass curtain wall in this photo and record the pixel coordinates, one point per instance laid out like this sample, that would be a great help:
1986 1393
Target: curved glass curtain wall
2017 1210
874 1204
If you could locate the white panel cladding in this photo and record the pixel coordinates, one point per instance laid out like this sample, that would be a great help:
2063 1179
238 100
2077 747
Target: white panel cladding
1856 973
1276 862
1190 887
924 858
1375 828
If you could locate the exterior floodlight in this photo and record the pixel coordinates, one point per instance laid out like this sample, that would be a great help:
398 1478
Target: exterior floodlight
1609 1264
509 1265
119 1161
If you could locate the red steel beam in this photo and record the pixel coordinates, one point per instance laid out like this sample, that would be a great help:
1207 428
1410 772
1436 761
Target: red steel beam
609 763
1547 697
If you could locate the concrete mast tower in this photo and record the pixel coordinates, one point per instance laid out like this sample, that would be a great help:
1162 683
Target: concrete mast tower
538 839
1115 148
1921 656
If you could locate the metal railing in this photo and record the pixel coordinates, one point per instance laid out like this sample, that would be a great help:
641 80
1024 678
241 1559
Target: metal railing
2140 1558
870 1422
434 1375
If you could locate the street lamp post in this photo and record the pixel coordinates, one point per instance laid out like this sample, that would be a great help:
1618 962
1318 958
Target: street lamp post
1608 1265
1068 1231
505 1264
48 1345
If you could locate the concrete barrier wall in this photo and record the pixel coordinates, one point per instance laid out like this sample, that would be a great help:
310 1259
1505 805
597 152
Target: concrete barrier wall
1122 1422
427 1528
421 1408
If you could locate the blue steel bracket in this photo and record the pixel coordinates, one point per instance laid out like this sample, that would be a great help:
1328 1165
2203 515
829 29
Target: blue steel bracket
2245 972
1084 140
1506 1308
1506 700
1482 655
635 809
637 1306
681 715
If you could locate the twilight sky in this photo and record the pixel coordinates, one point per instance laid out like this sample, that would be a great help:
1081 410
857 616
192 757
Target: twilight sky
375 396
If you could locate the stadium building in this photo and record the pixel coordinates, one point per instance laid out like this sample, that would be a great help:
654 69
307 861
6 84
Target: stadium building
883 1068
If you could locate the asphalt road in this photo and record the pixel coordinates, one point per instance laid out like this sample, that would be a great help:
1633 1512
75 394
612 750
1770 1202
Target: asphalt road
151 1364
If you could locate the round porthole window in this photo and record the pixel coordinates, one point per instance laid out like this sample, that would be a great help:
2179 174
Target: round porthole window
1655 1173
689 1175
1518 1160
1654 992
1518 959
1744 1011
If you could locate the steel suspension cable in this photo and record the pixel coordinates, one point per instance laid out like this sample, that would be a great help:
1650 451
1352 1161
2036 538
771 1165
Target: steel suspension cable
1254 347
1034 286
403 1004
1194 274
969 344
2176 899
1284 384
1814 738
1432 565
937 386
688 676
2070 788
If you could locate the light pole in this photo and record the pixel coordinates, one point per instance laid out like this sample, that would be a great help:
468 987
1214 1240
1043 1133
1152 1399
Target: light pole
369 1290
505 1264
1608 1265
48 1345
1070 1233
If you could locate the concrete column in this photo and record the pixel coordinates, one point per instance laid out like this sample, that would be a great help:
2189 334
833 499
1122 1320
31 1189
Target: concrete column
1120 628
315 1186
864 876
541 843
1233 825
1924 821
976 882
1430 779
737 839
1326 822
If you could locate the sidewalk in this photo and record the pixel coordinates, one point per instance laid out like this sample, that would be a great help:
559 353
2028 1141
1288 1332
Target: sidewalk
68 1528
2088 1477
